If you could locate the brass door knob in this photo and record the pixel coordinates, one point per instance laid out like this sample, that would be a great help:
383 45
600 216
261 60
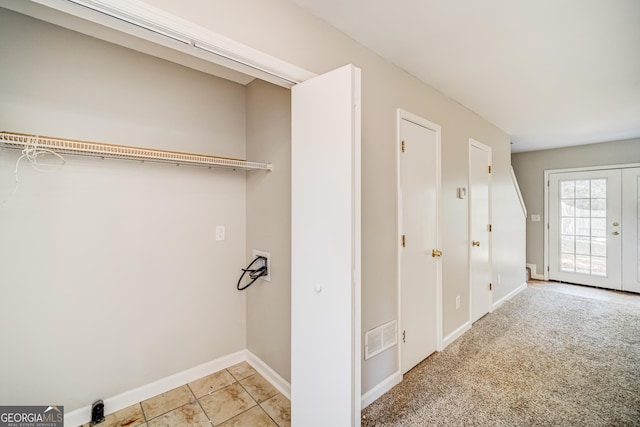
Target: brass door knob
436 253
615 233
475 243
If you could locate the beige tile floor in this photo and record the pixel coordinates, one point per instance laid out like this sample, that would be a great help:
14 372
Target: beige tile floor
234 397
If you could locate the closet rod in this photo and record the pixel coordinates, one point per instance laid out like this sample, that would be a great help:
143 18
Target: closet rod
96 149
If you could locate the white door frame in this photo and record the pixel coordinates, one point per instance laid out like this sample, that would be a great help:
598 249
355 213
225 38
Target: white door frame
405 115
548 172
489 150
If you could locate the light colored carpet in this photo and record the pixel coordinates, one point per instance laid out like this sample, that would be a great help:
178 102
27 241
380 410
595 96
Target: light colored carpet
542 359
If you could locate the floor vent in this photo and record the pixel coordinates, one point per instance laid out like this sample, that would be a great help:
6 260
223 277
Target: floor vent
381 338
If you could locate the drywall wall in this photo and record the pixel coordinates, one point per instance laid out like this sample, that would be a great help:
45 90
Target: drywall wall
530 166
110 274
269 224
285 31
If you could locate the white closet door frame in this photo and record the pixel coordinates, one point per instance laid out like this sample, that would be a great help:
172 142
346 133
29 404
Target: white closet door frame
546 202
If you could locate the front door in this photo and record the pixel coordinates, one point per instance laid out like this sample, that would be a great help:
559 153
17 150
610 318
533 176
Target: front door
585 228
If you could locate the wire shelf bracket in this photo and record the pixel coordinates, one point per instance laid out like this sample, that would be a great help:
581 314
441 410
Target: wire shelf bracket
112 151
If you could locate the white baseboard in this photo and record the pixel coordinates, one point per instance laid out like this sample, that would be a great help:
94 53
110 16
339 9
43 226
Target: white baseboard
510 295
282 385
534 275
455 335
112 404
381 388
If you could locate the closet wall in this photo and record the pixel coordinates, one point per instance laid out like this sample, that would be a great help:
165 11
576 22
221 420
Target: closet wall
110 274
269 224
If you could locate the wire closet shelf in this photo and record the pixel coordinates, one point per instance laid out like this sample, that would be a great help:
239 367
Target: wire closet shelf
112 151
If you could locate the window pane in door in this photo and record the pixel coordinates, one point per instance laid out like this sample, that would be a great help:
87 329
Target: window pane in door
583 246
598 266
583 189
583 226
583 208
567 190
567 262
598 208
599 246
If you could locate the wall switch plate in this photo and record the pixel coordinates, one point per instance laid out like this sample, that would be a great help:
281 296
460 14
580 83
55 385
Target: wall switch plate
535 218
220 232
457 302
461 192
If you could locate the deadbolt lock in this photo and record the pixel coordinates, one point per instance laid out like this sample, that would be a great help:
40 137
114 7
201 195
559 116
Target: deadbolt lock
615 233
436 253
616 224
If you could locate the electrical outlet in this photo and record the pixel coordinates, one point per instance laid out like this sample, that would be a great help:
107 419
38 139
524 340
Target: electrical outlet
97 412
267 255
457 302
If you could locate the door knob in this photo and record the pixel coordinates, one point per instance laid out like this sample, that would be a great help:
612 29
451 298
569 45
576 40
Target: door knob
475 243
436 253
615 233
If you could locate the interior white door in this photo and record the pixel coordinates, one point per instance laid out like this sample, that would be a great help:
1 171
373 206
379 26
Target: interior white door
419 269
479 229
325 250
629 233
585 226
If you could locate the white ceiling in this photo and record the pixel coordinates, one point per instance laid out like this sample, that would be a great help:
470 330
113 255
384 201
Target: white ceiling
550 73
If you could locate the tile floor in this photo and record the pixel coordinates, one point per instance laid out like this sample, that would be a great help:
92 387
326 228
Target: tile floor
234 397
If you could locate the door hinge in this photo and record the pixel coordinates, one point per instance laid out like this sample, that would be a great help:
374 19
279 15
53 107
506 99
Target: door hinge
404 336
403 146
490 228
490 286
489 168
404 241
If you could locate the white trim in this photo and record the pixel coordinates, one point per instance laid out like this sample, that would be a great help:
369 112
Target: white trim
158 26
405 115
282 385
510 295
115 403
381 388
534 275
456 334
514 179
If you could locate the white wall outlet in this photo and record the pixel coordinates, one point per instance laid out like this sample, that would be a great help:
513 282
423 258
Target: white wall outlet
535 218
220 232
267 255
457 302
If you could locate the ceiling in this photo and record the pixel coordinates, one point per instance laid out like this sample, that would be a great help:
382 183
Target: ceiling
550 73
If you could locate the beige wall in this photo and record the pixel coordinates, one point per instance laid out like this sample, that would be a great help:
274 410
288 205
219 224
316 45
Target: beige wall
283 30
110 274
107 104
529 168
269 224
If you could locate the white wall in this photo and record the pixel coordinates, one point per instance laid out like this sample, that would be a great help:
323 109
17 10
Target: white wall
110 275
285 31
